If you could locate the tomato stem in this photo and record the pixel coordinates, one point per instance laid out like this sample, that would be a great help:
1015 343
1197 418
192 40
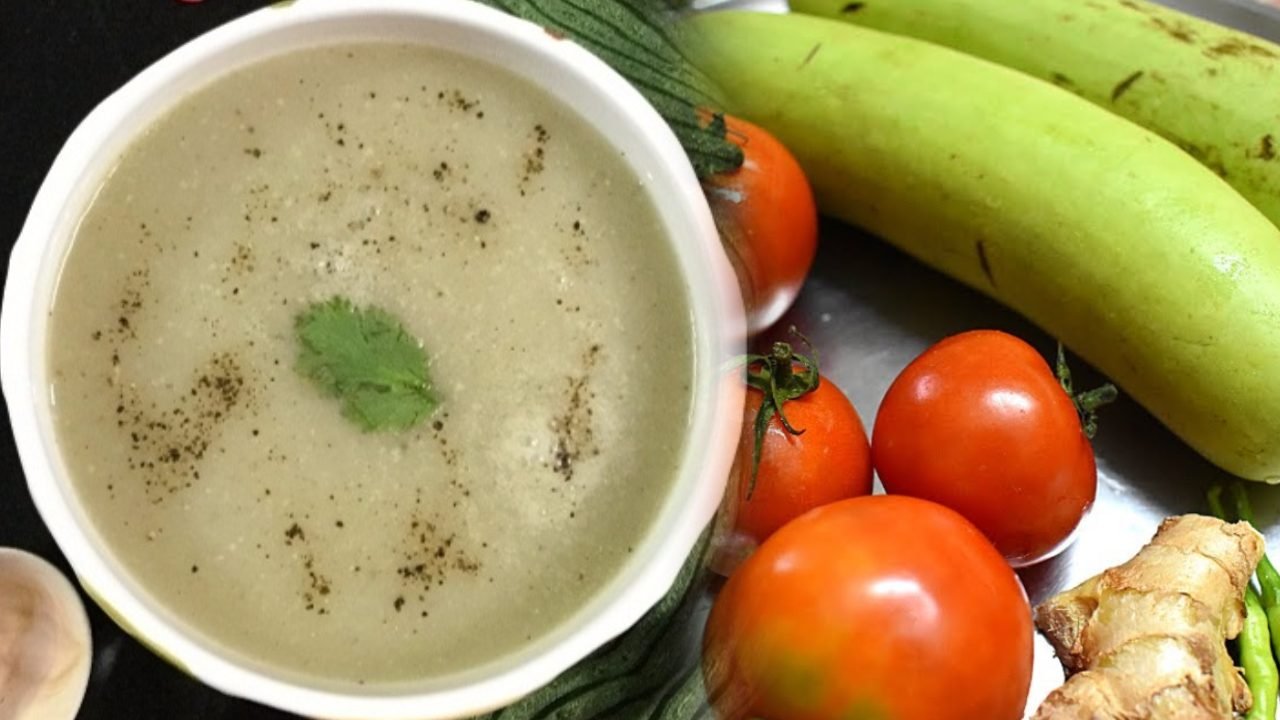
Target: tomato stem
777 378
1087 402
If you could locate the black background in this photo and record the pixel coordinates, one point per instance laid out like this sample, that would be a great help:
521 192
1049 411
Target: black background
58 59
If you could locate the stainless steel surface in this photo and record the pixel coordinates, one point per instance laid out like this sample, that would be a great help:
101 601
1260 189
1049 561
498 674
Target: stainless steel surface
869 310
1255 16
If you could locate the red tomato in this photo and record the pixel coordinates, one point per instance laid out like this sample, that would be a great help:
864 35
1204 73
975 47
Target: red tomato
829 461
768 218
874 607
979 423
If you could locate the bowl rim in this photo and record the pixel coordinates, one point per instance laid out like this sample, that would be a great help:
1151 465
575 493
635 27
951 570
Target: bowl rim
714 422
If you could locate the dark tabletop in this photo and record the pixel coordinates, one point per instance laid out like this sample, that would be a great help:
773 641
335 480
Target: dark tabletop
58 59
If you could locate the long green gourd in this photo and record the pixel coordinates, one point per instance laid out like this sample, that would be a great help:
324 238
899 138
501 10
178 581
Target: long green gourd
1211 90
1112 239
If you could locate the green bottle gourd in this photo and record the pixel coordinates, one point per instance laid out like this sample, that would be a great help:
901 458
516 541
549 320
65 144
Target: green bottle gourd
1211 90
1111 238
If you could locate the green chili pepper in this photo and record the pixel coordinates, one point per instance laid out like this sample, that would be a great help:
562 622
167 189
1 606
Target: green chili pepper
1255 656
1260 621
1268 576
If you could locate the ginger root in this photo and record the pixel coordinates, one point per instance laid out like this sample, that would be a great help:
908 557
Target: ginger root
1146 639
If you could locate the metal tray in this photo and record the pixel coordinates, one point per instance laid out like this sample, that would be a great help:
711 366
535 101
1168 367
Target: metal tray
867 308
870 309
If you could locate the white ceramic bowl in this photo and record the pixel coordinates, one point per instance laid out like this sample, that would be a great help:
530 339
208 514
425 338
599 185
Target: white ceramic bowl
558 66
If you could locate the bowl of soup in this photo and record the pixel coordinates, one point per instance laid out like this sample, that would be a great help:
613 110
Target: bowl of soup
367 359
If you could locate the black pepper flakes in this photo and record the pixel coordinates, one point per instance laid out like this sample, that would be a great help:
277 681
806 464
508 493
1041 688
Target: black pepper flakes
430 557
535 158
574 435
167 441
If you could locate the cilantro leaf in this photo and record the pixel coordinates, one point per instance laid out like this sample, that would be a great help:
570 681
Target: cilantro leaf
368 360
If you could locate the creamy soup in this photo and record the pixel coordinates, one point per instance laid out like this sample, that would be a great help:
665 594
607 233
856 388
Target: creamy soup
510 241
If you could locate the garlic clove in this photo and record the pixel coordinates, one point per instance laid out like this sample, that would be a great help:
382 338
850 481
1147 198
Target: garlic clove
45 644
